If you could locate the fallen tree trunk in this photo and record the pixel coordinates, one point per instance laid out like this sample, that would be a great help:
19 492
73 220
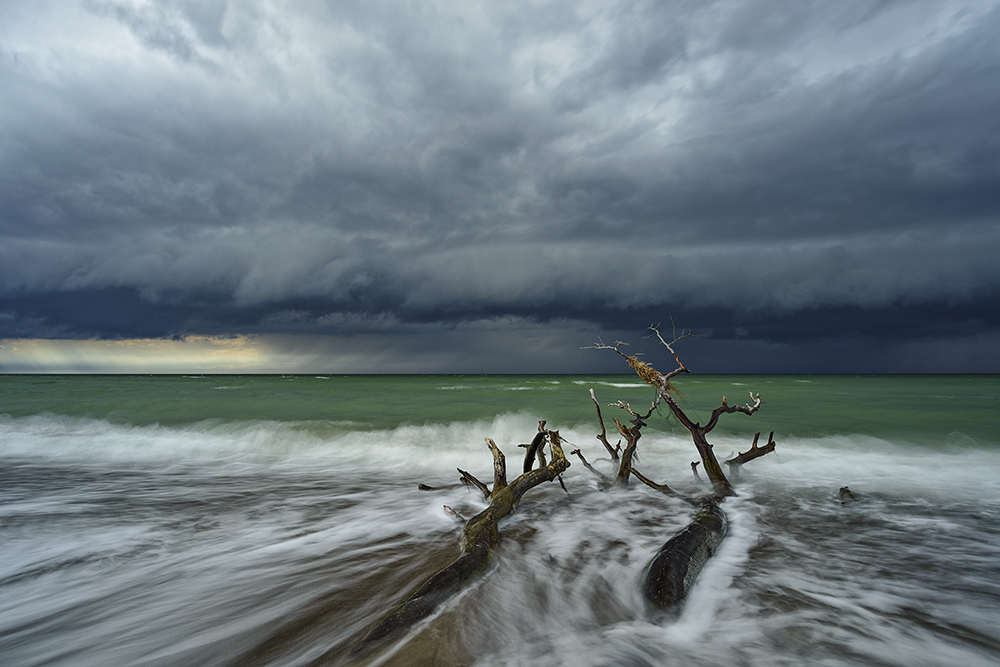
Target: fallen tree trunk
673 570
480 542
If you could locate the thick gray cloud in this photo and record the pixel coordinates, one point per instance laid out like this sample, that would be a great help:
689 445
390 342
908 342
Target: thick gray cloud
814 175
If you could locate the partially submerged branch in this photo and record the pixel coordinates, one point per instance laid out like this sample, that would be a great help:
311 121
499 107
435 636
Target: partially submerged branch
535 449
480 543
662 488
603 435
605 481
469 480
752 453
661 383
499 466
632 435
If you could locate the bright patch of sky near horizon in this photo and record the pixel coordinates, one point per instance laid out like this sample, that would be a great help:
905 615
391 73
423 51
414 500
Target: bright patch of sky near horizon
777 175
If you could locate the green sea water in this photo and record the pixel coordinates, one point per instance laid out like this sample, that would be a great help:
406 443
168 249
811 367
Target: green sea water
921 409
274 520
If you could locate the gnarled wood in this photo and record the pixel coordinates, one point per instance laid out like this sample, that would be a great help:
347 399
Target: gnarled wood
535 449
753 453
499 466
673 570
632 435
479 543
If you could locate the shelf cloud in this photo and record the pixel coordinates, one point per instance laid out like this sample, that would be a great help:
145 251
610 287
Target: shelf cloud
485 187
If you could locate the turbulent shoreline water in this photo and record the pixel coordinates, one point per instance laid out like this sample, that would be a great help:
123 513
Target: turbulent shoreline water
265 520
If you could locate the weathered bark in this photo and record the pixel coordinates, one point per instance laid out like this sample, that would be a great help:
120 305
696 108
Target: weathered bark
535 449
632 436
699 434
673 570
675 567
479 543
499 466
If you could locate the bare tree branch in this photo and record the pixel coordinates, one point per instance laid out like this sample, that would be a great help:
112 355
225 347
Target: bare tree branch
603 436
535 448
470 480
655 328
751 454
605 481
455 515
662 488
632 436
661 383
480 543
499 466
747 409
628 408
601 345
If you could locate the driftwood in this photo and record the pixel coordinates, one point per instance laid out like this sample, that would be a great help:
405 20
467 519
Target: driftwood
535 449
603 435
754 452
604 482
676 565
480 541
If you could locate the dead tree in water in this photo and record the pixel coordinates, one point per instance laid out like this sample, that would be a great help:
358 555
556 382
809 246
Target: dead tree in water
676 565
480 539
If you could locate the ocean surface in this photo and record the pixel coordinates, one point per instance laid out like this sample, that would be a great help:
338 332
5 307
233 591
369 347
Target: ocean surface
272 520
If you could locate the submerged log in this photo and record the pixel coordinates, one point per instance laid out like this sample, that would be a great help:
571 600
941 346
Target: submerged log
676 565
479 543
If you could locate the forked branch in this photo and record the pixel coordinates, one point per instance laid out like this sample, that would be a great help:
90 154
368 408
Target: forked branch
655 328
480 543
725 408
753 453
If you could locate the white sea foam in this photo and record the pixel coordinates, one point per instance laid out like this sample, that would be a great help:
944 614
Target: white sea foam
130 545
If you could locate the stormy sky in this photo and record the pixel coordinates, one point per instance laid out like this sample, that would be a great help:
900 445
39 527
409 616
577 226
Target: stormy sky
488 186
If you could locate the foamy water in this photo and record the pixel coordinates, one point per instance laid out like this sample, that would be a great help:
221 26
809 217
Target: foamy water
282 543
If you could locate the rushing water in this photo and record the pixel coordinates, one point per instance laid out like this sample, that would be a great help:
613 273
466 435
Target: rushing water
264 520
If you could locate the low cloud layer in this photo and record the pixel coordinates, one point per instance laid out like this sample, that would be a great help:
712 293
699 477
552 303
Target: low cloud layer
791 179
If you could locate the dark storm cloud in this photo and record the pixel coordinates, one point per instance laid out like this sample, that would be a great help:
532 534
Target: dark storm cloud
778 174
